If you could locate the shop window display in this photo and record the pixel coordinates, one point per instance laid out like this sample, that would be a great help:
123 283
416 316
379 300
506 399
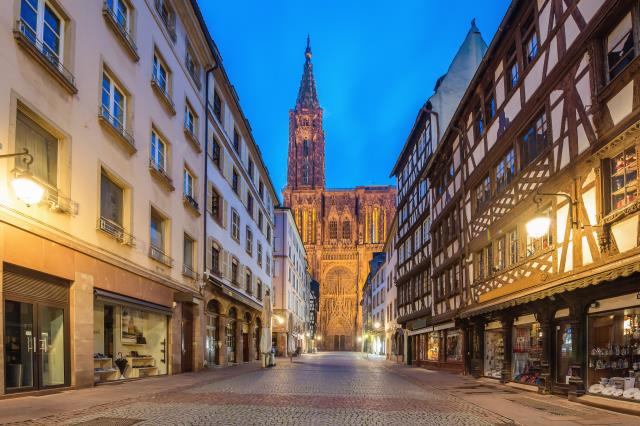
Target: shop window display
493 354
128 342
454 345
527 350
614 354
433 351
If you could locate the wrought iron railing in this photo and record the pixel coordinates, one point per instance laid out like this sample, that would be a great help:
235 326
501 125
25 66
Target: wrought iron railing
116 124
191 201
120 24
27 34
163 89
189 272
159 255
115 230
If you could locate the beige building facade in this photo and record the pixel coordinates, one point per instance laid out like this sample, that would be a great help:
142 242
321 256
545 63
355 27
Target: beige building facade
108 98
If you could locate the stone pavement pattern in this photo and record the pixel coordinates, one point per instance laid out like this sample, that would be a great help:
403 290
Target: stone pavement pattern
334 389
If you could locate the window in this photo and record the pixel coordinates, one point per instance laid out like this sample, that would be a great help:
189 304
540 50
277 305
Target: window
157 231
111 201
512 237
215 152
192 65
167 16
250 168
620 47
305 148
236 141
217 106
42 145
189 119
501 253
188 257
485 262
425 230
113 103
537 245
479 121
483 192
268 234
120 12
158 152
505 171
333 230
512 72
623 178
215 259
44 28
529 40
259 290
248 278
534 140
250 204
235 267
268 265
235 184
260 220
216 205
160 74
346 230
305 172
490 104
261 190
189 186
259 253
235 225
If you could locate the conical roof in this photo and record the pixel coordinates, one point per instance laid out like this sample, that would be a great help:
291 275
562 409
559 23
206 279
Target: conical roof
307 94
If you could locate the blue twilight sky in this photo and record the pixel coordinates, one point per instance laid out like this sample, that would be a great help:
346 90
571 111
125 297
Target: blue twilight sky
375 63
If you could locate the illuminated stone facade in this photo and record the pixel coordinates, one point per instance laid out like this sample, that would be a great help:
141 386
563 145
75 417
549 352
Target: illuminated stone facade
340 228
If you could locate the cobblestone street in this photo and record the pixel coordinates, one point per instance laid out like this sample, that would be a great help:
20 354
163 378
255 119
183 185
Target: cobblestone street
321 389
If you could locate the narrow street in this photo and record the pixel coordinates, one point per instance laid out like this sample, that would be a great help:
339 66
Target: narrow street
321 389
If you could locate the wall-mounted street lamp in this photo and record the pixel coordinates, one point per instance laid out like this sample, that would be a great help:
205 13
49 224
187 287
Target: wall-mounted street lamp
25 187
539 225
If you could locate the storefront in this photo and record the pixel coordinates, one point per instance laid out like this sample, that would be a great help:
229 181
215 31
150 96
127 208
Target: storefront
613 344
526 351
493 350
130 337
438 347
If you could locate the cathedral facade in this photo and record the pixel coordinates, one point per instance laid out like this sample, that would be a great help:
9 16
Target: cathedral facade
340 228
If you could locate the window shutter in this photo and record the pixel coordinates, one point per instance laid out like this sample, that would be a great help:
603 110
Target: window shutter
209 264
209 197
227 168
210 145
225 267
254 285
225 213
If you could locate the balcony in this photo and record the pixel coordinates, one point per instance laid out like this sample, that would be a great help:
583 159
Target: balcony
188 271
116 231
163 93
191 203
115 127
189 132
160 173
118 25
165 16
160 256
27 39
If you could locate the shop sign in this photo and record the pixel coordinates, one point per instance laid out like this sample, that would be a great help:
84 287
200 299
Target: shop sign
419 323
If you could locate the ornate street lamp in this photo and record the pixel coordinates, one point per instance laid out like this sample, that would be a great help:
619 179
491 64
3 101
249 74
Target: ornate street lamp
539 225
25 187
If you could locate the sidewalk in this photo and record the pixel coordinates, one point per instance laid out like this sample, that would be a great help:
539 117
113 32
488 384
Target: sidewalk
27 408
520 405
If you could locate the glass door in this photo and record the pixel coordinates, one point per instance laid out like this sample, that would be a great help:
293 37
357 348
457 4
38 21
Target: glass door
51 346
20 342
564 352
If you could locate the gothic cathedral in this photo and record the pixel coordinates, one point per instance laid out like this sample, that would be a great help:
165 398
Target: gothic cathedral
340 228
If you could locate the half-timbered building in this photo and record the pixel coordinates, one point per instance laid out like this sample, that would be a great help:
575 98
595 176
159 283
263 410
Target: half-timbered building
430 250
548 135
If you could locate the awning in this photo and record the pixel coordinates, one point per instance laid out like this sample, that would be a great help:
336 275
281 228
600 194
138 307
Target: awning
107 296
621 268
420 331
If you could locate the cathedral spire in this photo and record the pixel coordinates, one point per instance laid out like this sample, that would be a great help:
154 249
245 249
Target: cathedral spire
307 95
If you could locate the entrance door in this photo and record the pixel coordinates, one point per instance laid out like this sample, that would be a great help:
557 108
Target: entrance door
230 334
35 346
245 347
564 352
187 339
212 340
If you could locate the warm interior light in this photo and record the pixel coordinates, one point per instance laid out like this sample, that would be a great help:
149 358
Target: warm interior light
376 325
359 339
538 226
319 338
280 320
27 190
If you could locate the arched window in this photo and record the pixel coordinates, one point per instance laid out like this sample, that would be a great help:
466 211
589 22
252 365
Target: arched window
346 230
305 173
333 230
305 148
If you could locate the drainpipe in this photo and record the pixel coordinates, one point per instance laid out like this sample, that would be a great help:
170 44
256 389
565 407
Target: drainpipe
206 178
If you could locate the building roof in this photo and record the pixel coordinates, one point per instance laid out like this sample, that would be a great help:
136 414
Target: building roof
307 94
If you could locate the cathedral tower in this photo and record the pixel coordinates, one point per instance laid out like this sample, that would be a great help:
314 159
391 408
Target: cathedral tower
306 137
